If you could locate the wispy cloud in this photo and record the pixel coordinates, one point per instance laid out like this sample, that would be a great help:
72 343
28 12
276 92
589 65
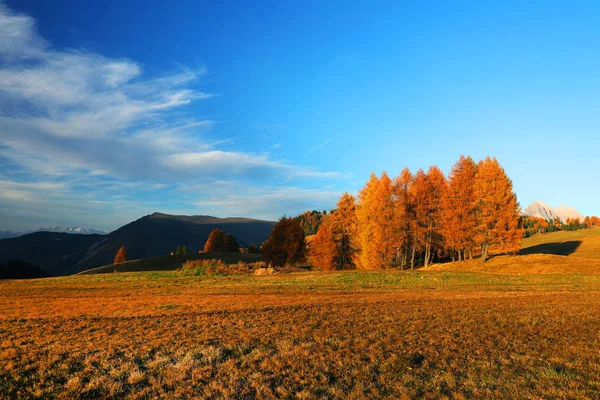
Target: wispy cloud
72 118
321 145
18 191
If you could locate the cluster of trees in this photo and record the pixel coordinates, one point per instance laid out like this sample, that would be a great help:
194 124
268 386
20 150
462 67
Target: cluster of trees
310 221
537 225
181 250
219 242
575 224
417 218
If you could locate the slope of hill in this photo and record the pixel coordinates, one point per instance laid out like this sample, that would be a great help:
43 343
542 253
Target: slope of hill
150 236
532 264
168 263
582 244
551 253
55 253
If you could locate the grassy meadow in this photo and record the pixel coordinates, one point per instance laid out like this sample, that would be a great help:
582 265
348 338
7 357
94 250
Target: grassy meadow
450 331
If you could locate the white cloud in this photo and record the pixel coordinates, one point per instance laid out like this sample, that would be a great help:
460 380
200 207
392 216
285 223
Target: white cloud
80 116
17 35
18 192
267 203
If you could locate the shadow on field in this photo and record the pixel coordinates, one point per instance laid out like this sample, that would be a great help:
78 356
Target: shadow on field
559 249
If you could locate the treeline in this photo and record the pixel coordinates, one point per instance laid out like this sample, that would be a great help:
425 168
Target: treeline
575 224
416 219
537 225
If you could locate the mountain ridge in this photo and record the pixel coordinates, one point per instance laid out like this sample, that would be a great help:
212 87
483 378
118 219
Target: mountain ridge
540 209
152 235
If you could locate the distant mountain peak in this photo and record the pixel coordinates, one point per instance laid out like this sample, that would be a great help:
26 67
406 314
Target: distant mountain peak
542 210
72 229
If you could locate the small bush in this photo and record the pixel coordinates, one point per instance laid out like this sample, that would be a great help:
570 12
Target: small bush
218 267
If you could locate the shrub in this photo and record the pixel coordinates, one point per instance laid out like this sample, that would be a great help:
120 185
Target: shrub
218 267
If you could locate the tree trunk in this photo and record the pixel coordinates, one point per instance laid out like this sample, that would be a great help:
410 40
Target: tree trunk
428 251
484 252
412 259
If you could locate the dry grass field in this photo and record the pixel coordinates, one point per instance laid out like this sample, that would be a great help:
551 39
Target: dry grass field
426 334
301 335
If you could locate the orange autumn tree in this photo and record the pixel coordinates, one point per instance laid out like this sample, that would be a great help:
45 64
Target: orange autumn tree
121 255
384 240
323 249
404 219
428 190
458 212
497 210
215 241
365 217
344 230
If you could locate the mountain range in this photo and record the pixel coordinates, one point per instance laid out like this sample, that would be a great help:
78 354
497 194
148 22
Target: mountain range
60 253
541 210
63 229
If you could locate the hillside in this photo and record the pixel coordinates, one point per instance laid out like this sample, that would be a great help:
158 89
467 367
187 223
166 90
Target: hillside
531 264
55 253
150 236
551 253
582 244
169 263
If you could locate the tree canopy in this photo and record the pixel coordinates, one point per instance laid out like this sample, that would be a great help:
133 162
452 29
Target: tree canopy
286 244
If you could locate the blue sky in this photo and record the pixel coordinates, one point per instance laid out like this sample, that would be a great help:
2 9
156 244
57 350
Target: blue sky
112 110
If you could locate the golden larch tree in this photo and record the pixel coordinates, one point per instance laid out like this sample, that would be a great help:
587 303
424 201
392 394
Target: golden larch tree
344 229
404 221
365 217
428 191
384 240
323 249
458 212
497 209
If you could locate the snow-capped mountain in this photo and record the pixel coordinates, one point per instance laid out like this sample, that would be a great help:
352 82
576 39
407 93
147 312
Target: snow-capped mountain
542 210
565 212
72 229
